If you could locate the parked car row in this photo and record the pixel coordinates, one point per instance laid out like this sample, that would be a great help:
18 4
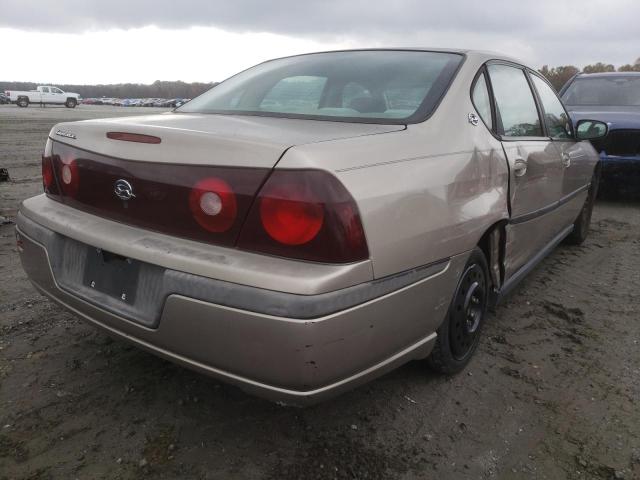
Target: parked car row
137 102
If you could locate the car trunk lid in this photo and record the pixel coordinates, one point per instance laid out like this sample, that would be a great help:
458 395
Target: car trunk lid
194 176
205 139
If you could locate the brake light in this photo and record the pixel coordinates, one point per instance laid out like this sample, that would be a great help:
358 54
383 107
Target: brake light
290 214
47 173
213 204
305 214
48 177
133 137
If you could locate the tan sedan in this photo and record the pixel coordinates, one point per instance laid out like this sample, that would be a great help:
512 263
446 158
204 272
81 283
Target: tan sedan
313 221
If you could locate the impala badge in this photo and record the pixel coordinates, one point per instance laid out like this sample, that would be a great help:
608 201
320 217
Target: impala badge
123 190
64 134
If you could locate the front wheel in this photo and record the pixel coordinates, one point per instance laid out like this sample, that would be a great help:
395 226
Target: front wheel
71 103
459 334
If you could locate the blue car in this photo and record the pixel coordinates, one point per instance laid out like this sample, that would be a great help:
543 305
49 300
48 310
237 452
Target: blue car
613 98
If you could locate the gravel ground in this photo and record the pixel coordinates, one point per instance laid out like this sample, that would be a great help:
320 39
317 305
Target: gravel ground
553 391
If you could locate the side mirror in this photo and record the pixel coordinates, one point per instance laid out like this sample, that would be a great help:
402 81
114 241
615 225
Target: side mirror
591 129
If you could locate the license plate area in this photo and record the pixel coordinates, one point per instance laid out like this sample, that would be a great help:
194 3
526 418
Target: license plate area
112 274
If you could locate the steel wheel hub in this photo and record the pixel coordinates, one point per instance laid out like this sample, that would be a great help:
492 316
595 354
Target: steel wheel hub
467 311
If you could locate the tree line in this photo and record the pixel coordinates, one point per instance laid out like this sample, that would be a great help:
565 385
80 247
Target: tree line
558 76
158 89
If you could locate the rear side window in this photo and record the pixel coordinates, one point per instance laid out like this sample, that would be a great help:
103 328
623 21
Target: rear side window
555 116
515 102
482 101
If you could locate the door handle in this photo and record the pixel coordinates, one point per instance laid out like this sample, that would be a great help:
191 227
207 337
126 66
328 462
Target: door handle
566 160
519 167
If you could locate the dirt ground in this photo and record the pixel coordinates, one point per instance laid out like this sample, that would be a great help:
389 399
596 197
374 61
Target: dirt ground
552 393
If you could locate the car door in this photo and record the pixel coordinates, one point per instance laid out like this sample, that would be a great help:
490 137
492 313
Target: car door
56 95
535 169
577 166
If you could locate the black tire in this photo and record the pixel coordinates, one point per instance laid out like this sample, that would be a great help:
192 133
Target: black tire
71 103
581 226
459 334
23 102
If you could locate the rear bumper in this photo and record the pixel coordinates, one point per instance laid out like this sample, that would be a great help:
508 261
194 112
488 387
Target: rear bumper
284 356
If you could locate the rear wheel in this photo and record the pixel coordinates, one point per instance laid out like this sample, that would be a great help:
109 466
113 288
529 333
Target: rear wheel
23 102
459 334
581 225
71 103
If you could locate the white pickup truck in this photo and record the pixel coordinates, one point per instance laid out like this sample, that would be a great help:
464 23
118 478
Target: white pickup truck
44 94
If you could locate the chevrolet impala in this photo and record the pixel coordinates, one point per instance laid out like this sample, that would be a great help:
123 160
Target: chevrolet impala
314 221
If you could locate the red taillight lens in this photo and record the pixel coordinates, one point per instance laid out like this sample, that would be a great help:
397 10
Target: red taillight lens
48 176
290 214
47 173
213 204
305 214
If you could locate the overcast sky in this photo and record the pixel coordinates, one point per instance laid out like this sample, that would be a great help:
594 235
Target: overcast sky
112 41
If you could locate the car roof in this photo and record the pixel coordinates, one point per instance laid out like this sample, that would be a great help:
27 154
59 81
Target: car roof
481 55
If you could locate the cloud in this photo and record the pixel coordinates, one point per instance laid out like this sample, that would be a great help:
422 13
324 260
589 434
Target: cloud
335 17
542 31
143 55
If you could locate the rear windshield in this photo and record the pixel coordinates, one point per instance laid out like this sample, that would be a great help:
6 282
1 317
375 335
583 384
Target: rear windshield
381 86
604 91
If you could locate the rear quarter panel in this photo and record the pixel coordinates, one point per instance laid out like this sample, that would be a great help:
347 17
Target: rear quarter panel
424 193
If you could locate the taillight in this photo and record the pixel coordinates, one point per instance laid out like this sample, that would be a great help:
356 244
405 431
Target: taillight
305 214
47 173
48 177
291 214
213 204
